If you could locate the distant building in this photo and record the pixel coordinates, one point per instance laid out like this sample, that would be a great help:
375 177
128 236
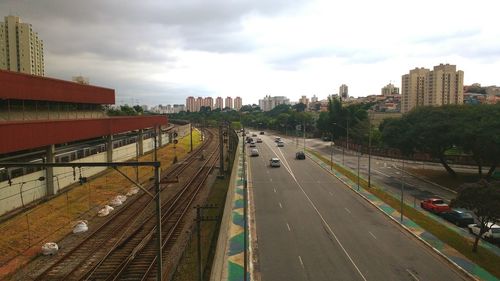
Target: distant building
314 98
237 103
344 91
268 102
228 103
20 48
190 104
389 89
219 103
198 104
304 100
208 102
443 85
81 80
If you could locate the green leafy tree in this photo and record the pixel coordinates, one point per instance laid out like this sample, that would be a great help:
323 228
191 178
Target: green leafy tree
484 202
299 107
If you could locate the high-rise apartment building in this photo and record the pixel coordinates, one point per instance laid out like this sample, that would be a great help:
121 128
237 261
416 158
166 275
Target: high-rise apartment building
443 85
389 90
219 103
229 103
237 103
198 103
208 102
190 104
20 48
268 102
304 100
344 91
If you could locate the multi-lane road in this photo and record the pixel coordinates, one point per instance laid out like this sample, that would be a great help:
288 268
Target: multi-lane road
311 227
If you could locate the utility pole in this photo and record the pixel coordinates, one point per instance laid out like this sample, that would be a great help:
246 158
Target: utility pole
402 188
304 134
221 152
199 219
369 151
359 155
191 133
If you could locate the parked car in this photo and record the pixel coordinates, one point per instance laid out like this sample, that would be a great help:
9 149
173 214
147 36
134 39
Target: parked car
326 138
435 205
261 132
259 140
254 152
252 144
281 144
493 233
460 217
274 162
300 155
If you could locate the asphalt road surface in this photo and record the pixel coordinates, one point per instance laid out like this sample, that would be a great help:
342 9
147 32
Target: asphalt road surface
387 172
311 227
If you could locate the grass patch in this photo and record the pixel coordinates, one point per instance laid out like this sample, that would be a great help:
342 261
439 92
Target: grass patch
483 257
187 270
444 179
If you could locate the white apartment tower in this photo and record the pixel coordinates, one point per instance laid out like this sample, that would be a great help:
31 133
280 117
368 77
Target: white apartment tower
190 104
344 91
208 102
423 87
219 103
20 48
237 103
229 102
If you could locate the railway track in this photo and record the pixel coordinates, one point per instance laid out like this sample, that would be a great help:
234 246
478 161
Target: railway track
136 260
122 226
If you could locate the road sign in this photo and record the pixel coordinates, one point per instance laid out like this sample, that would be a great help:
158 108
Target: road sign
175 134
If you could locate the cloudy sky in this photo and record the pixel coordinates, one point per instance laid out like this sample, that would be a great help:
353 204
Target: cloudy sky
161 51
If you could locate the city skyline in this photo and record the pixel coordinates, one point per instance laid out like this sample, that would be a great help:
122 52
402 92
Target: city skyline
160 53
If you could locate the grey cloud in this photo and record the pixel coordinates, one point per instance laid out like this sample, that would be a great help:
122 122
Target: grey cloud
352 55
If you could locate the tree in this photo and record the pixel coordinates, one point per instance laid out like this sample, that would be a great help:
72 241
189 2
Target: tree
484 202
299 107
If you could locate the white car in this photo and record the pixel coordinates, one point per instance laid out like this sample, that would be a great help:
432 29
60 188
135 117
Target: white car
274 162
277 139
254 152
493 233
281 144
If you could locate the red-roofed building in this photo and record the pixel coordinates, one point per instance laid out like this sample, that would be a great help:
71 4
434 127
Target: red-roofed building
45 119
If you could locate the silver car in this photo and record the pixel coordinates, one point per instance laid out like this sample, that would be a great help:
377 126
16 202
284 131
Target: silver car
274 162
254 152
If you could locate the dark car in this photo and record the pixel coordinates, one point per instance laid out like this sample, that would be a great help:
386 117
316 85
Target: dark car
249 140
300 155
261 132
460 217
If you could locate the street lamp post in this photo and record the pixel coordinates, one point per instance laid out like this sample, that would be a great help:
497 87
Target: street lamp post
331 155
402 188
369 151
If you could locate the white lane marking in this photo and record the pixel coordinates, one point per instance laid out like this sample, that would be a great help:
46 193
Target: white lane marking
412 275
267 172
320 215
288 226
270 179
383 174
301 263
347 210
372 235
274 190
331 194
280 205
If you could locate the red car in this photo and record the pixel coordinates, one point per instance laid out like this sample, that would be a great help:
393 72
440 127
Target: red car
435 205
